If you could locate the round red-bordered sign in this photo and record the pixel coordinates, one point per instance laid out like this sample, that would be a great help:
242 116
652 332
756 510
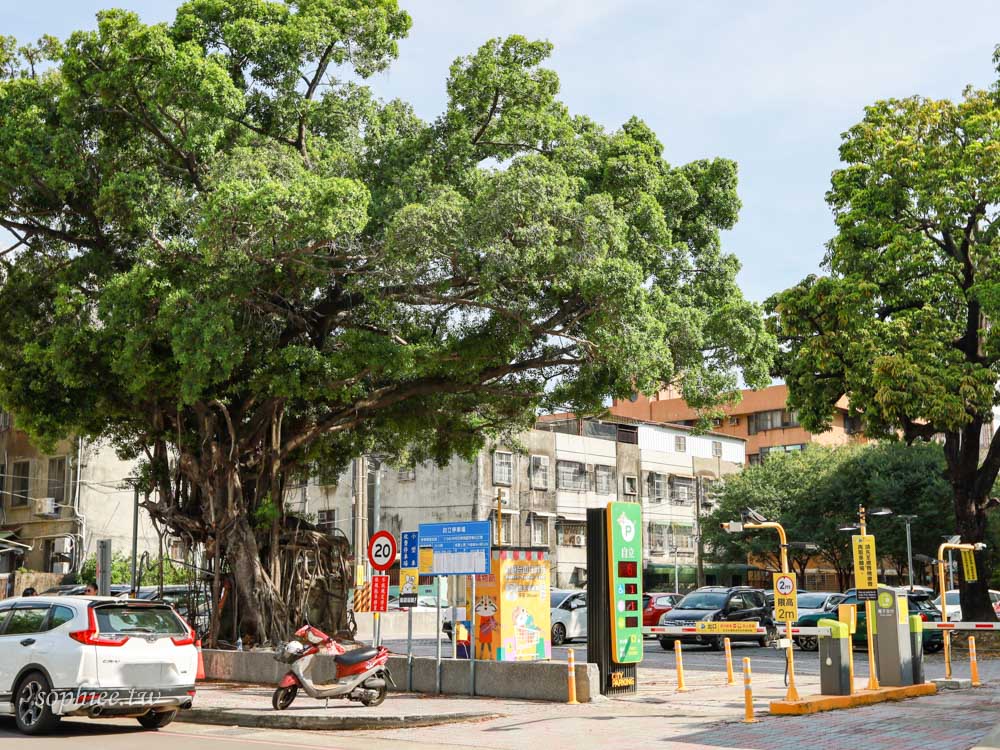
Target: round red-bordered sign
382 550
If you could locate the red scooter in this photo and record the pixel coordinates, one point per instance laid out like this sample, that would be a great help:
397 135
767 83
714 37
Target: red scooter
362 675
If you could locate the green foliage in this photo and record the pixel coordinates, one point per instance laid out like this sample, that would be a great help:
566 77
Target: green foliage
231 251
121 571
814 492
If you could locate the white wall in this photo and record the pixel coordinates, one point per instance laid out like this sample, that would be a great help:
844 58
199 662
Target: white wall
661 439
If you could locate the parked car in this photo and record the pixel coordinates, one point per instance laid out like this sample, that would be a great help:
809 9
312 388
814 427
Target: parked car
569 615
955 605
723 604
94 656
654 605
191 603
919 604
77 589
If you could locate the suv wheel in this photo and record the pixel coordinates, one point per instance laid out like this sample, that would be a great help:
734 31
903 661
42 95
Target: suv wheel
32 709
154 720
667 644
715 644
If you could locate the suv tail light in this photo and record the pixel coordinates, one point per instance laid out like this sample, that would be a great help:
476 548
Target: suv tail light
924 617
185 640
91 637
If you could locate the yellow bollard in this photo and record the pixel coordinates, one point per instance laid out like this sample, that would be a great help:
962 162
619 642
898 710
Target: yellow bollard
680 667
571 677
947 654
730 679
973 665
747 694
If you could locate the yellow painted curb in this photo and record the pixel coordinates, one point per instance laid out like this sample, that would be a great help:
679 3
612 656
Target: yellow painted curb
816 703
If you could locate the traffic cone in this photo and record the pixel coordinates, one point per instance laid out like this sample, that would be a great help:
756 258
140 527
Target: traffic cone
200 675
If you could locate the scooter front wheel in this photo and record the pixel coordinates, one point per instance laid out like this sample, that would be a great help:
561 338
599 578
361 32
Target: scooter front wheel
378 698
283 697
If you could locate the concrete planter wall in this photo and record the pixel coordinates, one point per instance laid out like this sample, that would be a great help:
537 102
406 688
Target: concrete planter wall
519 680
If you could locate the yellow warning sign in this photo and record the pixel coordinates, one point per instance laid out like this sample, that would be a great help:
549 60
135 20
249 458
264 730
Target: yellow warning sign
727 628
969 565
865 567
786 598
426 560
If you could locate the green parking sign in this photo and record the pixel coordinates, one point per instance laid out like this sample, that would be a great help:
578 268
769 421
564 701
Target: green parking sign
625 581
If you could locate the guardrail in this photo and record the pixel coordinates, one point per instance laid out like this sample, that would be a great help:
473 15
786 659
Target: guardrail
758 630
962 626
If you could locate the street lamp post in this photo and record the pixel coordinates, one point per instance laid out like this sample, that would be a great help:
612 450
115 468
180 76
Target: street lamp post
909 548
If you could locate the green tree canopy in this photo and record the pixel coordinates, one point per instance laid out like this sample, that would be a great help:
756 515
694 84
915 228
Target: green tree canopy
901 322
815 492
235 261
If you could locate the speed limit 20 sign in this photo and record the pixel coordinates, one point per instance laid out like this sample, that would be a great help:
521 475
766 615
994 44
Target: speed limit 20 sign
382 550
786 598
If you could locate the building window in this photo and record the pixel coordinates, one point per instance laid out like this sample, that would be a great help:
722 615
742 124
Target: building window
20 483
408 474
771 420
506 527
57 480
680 444
604 479
682 537
540 531
657 487
630 484
716 421
717 448
503 468
852 425
766 451
571 475
327 520
754 459
734 421
571 534
682 490
628 434
539 472
657 538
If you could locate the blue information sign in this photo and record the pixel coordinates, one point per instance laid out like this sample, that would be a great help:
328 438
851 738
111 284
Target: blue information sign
460 547
409 552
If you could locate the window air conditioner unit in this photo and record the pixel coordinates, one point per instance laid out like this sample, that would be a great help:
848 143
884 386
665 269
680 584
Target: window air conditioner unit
44 506
577 540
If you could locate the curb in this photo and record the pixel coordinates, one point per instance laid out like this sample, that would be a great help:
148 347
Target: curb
815 704
991 741
284 720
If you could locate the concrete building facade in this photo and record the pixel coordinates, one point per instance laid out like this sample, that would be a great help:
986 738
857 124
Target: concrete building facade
55 506
545 484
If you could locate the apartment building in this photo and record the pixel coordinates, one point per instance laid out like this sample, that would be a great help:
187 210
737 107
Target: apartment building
545 484
54 507
761 417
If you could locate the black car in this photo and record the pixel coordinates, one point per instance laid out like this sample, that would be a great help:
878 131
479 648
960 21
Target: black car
720 604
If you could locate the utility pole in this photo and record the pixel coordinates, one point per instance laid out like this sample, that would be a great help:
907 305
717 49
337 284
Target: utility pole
360 517
700 566
134 582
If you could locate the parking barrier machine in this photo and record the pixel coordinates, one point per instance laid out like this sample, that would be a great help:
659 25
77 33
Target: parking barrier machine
892 636
834 657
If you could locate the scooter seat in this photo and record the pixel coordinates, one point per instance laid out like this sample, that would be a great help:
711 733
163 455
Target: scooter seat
356 656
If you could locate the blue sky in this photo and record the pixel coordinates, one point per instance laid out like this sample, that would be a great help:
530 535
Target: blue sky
769 84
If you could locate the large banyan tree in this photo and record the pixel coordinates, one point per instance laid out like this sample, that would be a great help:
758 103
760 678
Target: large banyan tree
231 259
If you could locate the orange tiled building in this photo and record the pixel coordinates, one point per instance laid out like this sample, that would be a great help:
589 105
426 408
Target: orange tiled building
761 418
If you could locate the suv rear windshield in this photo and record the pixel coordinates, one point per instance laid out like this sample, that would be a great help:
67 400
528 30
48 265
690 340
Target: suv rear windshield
702 600
131 619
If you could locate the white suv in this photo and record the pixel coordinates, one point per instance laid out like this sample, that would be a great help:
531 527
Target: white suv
96 657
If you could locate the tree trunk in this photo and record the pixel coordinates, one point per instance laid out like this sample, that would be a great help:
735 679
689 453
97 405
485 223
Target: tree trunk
970 517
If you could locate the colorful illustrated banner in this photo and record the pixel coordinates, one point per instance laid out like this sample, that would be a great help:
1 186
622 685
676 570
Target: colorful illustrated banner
511 614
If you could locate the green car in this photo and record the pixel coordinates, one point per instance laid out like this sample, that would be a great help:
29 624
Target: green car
919 604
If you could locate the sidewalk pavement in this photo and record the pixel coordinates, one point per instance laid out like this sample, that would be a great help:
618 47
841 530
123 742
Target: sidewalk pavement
707 716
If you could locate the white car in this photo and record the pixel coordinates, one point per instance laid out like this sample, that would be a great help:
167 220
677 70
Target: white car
955 605
96 657
569 615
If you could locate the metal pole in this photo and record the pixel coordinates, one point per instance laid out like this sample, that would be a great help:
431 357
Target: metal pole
471 606
454 616
409 649
378 495
951 574
135 544
677 579
873 683
437 661
699 549
909 553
